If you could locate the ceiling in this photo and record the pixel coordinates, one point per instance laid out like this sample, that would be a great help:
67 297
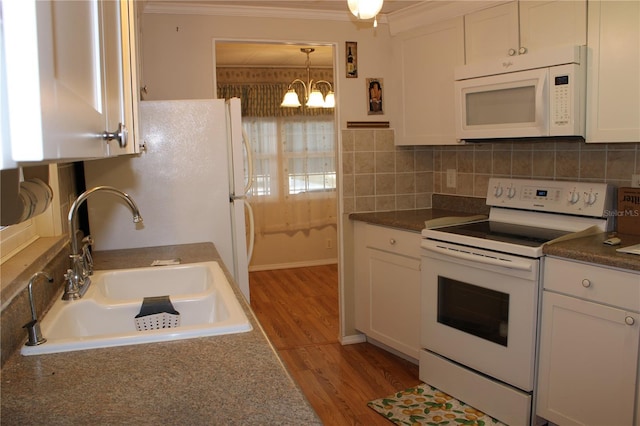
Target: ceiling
271 55
326 5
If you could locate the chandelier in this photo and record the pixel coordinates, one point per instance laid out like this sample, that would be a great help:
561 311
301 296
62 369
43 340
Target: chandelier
365 9
313 97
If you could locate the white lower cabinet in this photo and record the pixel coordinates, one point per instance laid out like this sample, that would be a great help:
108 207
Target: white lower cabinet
387 286
588 345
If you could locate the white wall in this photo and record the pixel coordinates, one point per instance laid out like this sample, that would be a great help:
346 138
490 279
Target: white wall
177 54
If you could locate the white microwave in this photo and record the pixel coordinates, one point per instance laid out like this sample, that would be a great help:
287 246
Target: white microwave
534 95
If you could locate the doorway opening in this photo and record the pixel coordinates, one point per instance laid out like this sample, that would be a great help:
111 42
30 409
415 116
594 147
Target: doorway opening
294 194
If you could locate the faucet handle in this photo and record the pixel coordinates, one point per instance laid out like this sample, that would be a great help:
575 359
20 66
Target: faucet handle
87 259
71 289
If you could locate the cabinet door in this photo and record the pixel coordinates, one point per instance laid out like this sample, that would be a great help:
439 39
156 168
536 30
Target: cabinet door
120 75
588 362
518 28
54 79
69 71
545 24
394 294
426 59
491 33
613 67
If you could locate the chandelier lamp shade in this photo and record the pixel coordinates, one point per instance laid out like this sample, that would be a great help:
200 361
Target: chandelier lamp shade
365 9
313 97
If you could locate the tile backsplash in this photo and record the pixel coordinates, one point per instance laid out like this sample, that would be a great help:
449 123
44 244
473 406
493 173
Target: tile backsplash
379 176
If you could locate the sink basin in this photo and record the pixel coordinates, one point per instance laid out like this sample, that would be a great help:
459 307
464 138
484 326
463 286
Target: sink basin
104 317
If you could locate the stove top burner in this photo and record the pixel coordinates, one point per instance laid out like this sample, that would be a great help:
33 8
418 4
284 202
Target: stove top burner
529 236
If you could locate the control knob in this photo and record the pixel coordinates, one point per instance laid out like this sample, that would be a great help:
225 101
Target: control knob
590 198
573 197
497 191
511 192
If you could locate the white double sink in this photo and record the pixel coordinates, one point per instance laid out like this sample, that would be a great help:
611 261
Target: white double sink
105 316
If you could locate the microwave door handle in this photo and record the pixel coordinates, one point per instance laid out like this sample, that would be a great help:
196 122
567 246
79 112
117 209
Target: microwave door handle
542 100
495 261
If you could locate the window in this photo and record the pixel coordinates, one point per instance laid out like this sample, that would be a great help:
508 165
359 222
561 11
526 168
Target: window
293 153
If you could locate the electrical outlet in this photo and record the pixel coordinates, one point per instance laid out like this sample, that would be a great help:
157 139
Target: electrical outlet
451 178
329 243
635 181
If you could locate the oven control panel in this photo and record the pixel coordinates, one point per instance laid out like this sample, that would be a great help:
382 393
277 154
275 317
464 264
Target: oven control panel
576 198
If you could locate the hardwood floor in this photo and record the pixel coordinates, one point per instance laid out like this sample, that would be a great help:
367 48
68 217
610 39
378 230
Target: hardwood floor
298 309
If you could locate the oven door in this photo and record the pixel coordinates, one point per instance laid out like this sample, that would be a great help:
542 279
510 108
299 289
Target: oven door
479 309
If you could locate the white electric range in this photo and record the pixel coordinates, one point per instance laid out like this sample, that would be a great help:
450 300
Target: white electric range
481 288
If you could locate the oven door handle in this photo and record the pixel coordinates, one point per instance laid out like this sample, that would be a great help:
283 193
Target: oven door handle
480 258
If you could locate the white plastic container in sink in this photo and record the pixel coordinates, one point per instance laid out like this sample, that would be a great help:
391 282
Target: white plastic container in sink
105 316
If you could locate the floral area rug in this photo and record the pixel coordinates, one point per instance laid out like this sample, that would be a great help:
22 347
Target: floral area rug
426 405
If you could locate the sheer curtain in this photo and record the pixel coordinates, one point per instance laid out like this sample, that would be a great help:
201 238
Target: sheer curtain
294 172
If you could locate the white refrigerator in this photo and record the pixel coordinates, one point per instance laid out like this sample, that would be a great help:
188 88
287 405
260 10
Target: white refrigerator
189 183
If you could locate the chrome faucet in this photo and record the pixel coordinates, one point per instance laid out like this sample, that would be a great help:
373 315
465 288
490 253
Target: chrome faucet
32 327
77 278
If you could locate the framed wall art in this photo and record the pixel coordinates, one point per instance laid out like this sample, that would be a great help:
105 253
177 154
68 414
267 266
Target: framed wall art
374 96
351 52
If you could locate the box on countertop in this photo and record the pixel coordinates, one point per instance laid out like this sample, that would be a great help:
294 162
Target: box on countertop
628 213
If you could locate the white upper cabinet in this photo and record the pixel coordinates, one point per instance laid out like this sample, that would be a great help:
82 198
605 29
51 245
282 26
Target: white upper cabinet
491 33
517 28
613 72
426 58
121 75
65 78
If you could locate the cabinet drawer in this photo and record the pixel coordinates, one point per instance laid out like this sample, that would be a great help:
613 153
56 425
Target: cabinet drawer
393 240
596 283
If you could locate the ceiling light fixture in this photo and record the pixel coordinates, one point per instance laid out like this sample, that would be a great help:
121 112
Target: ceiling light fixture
366 9
313 96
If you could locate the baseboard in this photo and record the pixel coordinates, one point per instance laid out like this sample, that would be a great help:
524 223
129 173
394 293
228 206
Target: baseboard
290 265
393 351
353 339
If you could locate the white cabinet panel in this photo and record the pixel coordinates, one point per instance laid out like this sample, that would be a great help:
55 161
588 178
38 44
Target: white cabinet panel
387 286
520 27
545 24
588 361
491 33
426 59
394 292
64 76
589 340
613 70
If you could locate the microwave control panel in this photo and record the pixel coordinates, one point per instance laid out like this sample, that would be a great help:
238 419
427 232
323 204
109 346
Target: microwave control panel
565 95
561 93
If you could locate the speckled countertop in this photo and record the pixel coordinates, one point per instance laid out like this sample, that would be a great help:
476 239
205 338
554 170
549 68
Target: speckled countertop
410 220
225 380
592 250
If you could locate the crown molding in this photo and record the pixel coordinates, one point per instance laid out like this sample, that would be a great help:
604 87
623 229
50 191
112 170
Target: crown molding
178 8
433 11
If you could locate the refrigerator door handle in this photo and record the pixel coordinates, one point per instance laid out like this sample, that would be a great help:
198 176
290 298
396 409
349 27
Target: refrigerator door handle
252 231
245 142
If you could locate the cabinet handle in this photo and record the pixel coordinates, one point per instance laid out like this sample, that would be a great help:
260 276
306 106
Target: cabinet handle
522 50
392 241
120 135
629 320
512 52
586 283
